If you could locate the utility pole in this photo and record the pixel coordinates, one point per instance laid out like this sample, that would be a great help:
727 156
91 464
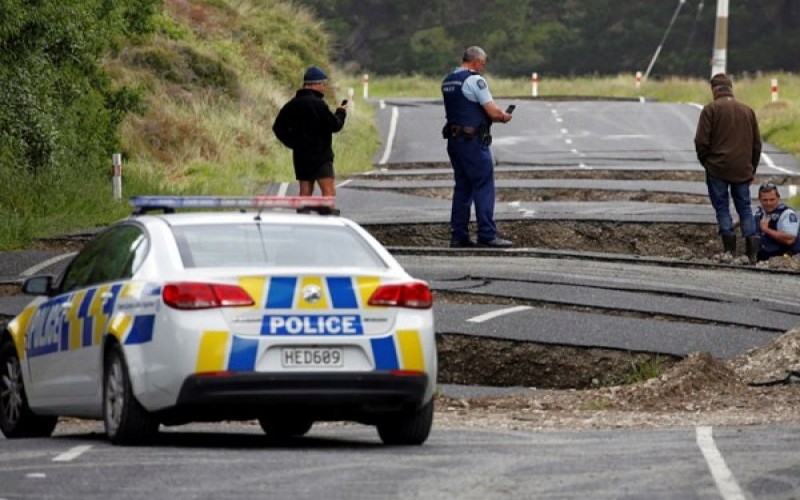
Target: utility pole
719 60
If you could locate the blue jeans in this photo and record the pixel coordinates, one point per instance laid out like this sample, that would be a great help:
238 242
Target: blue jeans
740 192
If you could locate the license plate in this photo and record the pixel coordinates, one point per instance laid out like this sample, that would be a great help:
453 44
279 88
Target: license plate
312 357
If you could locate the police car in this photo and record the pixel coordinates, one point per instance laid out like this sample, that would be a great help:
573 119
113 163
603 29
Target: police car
174 316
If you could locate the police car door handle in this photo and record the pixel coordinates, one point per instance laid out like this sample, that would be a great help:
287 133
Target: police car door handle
66 305
105 296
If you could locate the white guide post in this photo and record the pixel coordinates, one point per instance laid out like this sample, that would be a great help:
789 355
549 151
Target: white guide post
116 176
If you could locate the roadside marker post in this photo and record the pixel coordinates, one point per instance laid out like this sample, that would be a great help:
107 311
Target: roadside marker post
350 94
535 84
774 90
638 80
116 176
366 86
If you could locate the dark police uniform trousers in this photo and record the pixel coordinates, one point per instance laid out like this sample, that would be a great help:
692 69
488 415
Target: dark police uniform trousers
473 171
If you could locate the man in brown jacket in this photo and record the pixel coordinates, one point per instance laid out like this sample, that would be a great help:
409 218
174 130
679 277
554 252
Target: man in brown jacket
728 145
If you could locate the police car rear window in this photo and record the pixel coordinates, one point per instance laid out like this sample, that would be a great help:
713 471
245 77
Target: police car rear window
271 245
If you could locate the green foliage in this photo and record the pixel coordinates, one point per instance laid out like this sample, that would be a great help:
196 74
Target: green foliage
51 82
558 37
58 112
645 369
433 48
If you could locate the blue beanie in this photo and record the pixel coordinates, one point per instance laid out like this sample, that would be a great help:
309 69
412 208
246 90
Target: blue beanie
314 75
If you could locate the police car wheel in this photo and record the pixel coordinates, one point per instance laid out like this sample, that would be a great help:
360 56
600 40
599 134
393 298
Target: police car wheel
407 427
126 421
285 428
16 418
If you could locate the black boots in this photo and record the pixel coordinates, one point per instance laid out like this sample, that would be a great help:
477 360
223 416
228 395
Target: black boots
753 243
729 244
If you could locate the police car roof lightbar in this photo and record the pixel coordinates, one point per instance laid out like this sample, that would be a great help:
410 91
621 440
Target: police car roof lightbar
168 204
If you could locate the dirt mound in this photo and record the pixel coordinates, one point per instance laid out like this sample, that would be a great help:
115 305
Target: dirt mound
772 363
688 385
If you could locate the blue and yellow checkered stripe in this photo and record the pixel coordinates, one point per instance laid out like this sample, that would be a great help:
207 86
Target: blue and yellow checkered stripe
80 325
285 292
222 351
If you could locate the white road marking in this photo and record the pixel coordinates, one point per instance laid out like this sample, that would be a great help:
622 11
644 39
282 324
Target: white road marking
583 166
282 188
72 453
625 136
499 312
559 120
771 164
726 483
344 183
698 106
390 139
564 131
568 141
49 262
36 475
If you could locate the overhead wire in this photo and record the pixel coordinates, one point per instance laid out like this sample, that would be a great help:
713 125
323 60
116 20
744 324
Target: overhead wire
664 38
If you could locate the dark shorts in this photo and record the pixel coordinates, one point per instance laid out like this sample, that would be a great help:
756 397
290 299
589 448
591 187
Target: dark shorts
313 174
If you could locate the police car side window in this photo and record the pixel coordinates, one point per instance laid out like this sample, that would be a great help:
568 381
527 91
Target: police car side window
109 257
77 275
115 260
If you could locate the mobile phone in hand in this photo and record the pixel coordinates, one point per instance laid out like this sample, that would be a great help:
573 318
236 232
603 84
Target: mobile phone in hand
510 109
344 103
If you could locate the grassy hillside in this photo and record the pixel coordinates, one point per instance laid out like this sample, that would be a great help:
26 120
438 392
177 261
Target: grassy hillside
213 80
203 89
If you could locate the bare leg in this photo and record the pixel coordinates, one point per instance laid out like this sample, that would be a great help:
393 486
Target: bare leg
306 188
328 186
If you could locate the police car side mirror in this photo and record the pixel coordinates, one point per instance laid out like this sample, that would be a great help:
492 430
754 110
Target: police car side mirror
38 285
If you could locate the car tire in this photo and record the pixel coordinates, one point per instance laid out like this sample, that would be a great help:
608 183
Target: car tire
284 429
126 421
16 418
407 427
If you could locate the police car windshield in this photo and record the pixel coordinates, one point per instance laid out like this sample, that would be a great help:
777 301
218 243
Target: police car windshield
271 245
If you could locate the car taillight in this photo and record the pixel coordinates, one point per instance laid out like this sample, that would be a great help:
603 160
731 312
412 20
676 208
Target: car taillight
414 295
204 296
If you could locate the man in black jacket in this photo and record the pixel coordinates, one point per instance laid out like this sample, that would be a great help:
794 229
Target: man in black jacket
306 126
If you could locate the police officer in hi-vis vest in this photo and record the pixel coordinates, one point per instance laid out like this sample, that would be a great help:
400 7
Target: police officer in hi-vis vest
470 111
777 224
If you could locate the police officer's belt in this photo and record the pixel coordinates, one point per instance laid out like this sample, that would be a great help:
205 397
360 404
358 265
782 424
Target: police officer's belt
451 131
459 130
